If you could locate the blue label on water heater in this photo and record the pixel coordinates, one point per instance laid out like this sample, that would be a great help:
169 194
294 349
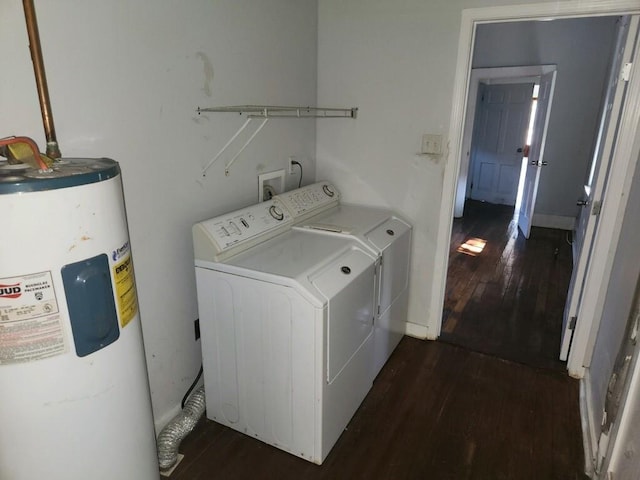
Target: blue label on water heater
92 308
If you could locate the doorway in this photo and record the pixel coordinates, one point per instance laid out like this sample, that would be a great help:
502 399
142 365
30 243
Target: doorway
496 316
498 146
614 199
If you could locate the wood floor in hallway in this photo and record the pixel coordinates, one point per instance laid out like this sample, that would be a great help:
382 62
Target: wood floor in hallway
508 300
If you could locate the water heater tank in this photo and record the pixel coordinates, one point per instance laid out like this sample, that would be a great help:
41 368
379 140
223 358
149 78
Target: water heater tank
74 392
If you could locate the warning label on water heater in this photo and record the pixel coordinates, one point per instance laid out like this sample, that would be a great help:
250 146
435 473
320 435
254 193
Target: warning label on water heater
126 294
30 323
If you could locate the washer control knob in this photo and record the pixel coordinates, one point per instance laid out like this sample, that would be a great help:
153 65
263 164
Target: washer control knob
276 213
328 189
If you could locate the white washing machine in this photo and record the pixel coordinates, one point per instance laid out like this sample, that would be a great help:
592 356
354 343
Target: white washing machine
316 208
287 320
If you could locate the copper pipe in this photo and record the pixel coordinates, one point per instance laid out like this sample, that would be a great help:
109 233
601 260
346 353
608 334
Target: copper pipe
53 151
32 145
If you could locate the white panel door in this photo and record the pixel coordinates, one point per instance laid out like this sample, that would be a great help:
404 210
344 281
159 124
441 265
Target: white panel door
502 121
536 153
596 182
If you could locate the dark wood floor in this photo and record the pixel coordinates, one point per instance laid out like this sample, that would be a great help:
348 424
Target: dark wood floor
507 301
436 411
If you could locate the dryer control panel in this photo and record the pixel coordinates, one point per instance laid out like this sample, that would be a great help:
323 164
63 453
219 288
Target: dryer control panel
226 235
310 200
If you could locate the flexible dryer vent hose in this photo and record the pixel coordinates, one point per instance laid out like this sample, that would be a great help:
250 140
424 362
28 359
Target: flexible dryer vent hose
178 428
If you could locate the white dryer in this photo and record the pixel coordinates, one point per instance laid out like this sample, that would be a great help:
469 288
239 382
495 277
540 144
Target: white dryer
316 208
287 320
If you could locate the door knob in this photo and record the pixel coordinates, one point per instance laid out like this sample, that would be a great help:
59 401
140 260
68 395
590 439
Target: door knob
582 203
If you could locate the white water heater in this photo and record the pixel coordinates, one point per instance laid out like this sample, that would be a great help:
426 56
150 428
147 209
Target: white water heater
74 393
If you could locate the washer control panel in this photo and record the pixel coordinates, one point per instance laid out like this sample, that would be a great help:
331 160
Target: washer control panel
309 199
240 229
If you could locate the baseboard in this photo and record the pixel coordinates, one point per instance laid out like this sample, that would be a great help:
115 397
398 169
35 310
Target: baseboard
553 221
589 437
417 331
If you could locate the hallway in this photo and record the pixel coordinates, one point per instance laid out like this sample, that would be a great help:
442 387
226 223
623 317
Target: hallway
508 300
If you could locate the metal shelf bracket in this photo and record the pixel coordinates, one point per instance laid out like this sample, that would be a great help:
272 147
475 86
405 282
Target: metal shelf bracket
266 112
275 111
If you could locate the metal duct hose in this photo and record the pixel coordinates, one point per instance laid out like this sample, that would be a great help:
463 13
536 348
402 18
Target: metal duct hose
179 427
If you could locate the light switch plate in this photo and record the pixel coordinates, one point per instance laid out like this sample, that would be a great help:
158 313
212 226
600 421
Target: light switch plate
431 143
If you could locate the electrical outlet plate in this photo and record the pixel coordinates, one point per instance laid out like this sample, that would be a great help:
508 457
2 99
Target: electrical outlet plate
431 144
290 168
270 184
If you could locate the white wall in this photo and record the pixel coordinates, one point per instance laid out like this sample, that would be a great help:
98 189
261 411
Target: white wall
395 60
581 48
125 79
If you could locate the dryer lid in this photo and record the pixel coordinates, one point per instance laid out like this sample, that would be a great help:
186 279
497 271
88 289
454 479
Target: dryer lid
387 233
348 219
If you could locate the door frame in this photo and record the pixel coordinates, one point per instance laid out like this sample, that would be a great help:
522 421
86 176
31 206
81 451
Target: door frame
597 183
623 162
491 76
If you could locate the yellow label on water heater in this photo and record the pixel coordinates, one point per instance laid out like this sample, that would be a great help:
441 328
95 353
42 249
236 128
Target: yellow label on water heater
126 294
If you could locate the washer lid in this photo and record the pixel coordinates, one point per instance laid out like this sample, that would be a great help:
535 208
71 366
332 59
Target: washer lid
292 254
67 172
